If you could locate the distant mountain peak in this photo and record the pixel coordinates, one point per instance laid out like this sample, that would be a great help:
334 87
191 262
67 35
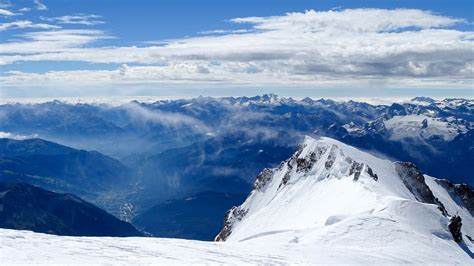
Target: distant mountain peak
423 99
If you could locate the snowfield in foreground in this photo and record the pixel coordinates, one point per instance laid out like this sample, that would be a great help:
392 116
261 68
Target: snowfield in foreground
328 203
33 248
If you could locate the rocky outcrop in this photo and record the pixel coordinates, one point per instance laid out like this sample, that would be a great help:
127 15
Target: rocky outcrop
305 164
331 158
263 178
302 164
414 180
424 124
356 169
462 193
233 215
287 176
371 173
455 224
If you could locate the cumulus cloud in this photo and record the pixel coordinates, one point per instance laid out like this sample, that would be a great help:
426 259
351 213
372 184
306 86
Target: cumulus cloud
351 20
78 19
26 24
401 47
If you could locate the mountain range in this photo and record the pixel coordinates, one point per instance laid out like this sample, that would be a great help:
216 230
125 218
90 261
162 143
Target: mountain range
27 207
132 159
88 174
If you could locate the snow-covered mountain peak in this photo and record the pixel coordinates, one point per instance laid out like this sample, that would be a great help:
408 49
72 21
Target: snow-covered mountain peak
329 203
329 191
322 169
325 159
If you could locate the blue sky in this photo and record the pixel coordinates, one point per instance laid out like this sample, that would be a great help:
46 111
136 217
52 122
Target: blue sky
341 48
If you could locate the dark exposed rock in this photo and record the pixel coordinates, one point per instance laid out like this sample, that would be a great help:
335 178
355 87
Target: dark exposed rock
356 169
320 151
290 164
415 182
287 176
470 238
455 224
461 193
232 215
305 164
371 173
285 179
331 158
263 178
424 123
329 162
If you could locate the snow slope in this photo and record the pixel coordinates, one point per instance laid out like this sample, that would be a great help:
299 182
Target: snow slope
332 194
24 247
329 203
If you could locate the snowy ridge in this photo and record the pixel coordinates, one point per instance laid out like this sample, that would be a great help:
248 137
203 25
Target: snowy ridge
329 192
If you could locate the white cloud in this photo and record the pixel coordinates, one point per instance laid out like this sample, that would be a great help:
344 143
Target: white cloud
40 6
215 32
146 115
78 19
5 12
25 9
410 48
8 135
25 24
47 44
351 20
